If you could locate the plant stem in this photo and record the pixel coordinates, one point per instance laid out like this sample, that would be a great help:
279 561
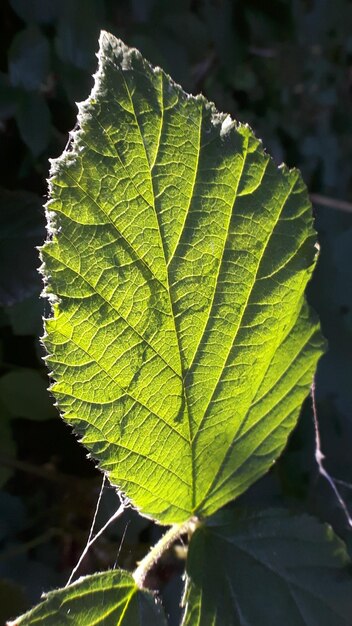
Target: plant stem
332 203
166 541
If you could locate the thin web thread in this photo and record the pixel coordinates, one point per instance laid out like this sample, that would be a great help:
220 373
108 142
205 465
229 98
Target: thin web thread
91 539
121 544
319 457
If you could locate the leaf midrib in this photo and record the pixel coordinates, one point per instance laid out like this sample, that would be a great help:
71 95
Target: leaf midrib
162 246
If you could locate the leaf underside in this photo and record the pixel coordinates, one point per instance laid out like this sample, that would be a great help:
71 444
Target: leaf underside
180 342
267 569
105 599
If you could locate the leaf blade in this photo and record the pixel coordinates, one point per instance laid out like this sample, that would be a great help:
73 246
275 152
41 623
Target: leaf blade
179 254
107 598
300 568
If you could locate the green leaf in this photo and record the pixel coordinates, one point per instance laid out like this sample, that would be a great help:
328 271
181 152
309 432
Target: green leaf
29 59
181 343
107 598
267 569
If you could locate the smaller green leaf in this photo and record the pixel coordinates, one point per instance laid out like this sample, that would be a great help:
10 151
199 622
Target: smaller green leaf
24 393
29 58
104 599
267 569
34 122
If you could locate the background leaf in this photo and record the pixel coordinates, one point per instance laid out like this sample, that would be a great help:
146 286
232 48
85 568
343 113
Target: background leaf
33 401
107 598
34 122
267 569
181 343
29 59
78 30
21 229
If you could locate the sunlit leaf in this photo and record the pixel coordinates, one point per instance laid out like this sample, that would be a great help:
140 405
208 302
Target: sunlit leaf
181 343
105 599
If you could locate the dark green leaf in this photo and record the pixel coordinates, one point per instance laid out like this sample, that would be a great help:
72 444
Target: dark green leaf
267 569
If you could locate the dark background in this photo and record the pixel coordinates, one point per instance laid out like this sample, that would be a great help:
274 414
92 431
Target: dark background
283 66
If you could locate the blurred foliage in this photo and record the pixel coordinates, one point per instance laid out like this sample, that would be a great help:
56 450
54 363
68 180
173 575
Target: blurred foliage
285 67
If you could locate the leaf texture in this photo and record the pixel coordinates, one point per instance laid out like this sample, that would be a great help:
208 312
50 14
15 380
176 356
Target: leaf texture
105 599
267 569
180 342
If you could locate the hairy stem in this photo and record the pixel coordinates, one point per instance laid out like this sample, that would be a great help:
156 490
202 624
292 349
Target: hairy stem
166 541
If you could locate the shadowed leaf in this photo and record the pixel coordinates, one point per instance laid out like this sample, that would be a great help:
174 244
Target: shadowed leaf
267 569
